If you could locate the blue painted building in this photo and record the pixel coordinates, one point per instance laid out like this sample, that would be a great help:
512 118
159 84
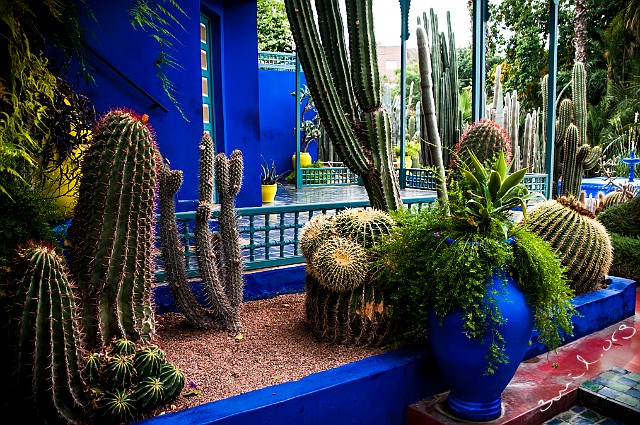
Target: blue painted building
217 84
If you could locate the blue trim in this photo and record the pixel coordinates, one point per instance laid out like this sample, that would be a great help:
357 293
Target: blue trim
378 389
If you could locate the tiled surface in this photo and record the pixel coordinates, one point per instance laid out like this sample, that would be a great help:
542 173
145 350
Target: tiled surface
583 416
547 385
617 385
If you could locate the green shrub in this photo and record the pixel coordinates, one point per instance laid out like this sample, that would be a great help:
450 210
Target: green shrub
626 256
623 219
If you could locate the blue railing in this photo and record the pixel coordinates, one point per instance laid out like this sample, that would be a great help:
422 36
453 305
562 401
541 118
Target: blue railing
277 61
269 235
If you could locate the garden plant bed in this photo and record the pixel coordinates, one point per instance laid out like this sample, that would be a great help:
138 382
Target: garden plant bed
276 347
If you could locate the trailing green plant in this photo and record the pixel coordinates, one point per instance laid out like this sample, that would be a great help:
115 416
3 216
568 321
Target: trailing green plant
162 22
346 90
420 267
581 242
112 232
219 255
626 256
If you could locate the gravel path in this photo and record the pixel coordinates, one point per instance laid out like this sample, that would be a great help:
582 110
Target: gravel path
276 347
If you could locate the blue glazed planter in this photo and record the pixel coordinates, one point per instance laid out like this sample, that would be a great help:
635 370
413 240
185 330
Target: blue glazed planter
462 360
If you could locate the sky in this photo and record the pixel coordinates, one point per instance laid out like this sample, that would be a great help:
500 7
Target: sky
386 18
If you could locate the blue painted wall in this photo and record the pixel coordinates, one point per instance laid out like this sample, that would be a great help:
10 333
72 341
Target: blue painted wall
278 118
235 84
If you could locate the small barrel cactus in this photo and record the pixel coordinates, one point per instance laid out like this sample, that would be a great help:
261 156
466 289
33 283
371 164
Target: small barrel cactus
172 380
119 370
148 360
581 242
317 230
340 264
364 226
344 305
149 393
116 406
486 139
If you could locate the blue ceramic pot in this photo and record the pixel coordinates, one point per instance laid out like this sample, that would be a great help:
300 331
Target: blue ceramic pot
474 395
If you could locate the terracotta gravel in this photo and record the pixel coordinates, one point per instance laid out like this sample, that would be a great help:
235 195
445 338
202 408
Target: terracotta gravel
276 347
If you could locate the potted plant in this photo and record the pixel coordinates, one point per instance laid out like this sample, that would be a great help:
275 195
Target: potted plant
412 149
309 128
483 282
269 180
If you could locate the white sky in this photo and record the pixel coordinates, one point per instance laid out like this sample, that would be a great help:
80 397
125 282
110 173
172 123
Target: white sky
386 18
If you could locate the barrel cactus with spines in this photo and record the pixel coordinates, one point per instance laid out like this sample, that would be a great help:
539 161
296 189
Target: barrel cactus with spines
47 336
486 139
340 264
364 226
581 242
93 365
149 393
172 380
112 232
148 360
116 406
123 346
119 371
317 230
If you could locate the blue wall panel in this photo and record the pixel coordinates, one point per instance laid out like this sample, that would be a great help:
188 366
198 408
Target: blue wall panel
236 85
278 118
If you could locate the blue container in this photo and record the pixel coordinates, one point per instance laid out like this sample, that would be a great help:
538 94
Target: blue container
474 395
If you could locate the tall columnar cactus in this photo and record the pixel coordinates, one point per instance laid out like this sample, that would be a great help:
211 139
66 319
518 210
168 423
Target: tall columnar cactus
446 86
344 304
577 155
431 122
48 336
112 231
346 90
486 139
581 242
219 256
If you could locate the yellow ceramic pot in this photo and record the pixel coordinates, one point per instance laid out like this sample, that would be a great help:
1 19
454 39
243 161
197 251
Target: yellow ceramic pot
269 192
305 160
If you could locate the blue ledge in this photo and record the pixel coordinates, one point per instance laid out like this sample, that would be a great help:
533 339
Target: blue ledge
598 310
375 390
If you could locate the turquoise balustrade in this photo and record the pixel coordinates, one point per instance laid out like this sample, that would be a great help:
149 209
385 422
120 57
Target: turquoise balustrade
270 235
277 61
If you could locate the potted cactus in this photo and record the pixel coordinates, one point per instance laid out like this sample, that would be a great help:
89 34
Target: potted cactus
473 272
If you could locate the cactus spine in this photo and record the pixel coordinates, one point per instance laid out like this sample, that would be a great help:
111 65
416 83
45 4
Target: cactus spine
219 256
581 242
344 305
445 86
112 231
486 139
48 350
577 155
347 91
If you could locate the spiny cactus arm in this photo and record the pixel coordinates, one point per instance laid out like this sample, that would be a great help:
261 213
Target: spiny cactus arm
426 88
571 170
545 105
579 94
593 157
172 253
48 338
333 41
321 85
364 60
231 172
214 286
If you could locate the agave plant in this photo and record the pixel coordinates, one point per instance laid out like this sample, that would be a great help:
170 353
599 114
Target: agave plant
492 192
